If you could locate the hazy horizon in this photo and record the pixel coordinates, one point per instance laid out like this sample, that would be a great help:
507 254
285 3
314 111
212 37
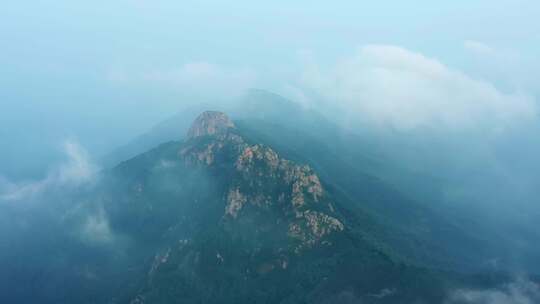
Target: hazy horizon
102 73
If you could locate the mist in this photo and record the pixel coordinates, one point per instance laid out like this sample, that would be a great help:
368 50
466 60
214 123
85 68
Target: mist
445 96
66 75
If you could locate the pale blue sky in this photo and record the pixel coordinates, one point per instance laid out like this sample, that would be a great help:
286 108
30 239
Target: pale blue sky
71 69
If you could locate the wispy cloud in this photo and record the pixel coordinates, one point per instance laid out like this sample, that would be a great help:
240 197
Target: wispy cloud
478 47
392 86
521 291
198 77
76 170
96 229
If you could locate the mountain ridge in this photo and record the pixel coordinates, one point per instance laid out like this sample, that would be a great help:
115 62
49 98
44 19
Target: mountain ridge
253 216
342 161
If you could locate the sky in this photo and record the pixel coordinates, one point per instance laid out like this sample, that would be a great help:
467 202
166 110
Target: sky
101 72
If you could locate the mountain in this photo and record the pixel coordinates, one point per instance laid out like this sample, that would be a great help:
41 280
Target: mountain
237 211
226 220
403 197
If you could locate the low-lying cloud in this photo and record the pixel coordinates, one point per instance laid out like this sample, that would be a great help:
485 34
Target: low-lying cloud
75 171
521 291
392 86
96 229
56 198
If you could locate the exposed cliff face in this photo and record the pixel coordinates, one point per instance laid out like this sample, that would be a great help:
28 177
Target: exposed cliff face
210 123
263 183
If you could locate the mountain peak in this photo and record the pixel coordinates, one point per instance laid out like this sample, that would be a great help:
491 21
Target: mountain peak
210 123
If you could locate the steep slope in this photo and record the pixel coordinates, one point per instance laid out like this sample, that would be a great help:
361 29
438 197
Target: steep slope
405 200
221 219
417 231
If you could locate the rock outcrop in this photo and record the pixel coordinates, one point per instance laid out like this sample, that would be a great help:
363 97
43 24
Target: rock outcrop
262 182
210 123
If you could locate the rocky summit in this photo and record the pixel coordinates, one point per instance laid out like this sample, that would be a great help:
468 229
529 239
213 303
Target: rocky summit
262 184
210 123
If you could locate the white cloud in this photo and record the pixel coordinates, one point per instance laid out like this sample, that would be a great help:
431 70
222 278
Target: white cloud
199 78
519 292
478 47
96 229
296 94
14 192
76 170
392 86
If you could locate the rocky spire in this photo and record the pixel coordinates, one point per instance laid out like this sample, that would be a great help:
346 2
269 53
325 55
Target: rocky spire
210 123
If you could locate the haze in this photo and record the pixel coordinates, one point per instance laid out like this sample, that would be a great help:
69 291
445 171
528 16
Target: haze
449 91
